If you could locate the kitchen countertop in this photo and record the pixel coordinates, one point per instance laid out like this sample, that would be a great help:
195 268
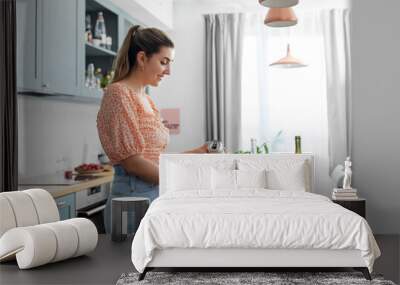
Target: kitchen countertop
65 186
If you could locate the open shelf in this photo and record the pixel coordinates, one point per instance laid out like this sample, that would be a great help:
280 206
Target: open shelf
99 56
92 50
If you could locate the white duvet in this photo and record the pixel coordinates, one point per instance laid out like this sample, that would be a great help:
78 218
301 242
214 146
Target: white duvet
250 218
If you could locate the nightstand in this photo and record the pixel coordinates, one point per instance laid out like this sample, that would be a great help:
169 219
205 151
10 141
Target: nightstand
357 206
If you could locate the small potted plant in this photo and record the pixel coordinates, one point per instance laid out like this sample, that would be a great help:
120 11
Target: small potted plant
265 147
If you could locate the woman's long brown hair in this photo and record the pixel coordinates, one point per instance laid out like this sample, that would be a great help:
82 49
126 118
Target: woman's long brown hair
148 40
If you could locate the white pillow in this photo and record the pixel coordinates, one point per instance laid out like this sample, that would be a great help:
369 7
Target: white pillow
251 178
223 179
181 177
288 178
282 174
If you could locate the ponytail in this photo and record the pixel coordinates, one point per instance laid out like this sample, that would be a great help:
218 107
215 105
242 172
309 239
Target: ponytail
149 40
121 65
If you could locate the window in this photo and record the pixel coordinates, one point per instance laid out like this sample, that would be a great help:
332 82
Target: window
291 100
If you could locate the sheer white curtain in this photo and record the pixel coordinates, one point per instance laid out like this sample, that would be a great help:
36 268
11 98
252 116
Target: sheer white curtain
293 101
224 42
335 27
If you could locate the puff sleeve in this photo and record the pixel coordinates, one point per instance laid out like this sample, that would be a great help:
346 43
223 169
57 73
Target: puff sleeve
118 124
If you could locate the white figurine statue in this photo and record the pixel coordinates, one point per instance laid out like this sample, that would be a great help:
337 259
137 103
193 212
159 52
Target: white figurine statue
347 174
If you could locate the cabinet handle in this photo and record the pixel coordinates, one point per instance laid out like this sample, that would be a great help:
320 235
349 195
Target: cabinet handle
93 211
45 85
61 204
36 41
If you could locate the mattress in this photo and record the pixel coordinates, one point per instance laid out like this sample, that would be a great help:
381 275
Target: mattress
250 219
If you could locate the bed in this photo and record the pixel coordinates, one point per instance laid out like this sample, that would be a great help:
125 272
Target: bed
247 211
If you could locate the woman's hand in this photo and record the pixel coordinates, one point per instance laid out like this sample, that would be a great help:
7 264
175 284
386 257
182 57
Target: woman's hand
201 149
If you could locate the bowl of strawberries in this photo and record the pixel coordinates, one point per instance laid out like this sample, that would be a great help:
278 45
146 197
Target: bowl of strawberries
89 168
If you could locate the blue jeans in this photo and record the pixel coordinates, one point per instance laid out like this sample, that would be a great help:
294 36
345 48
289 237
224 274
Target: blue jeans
125 185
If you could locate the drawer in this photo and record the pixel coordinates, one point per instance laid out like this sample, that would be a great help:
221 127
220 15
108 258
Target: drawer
66 206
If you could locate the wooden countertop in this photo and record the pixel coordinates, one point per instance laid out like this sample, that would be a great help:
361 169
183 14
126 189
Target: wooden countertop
62 190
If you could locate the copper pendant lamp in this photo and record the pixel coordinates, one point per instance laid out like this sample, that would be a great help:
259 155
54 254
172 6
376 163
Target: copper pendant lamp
278 3
280 17
288 61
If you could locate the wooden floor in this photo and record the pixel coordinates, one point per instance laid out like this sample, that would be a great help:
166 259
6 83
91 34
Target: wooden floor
110 260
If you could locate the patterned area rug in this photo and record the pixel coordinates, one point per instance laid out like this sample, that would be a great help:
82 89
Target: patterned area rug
269 278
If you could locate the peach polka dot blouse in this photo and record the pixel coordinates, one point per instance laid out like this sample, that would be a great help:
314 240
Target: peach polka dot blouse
129 124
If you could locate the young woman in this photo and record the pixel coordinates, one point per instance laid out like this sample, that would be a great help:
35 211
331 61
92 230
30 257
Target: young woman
128 122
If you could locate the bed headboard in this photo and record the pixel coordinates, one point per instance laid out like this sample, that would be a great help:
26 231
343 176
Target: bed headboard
231 159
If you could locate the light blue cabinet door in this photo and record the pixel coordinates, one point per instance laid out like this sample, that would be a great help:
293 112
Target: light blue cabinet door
66 206
124 24
80 55
60 30
29 45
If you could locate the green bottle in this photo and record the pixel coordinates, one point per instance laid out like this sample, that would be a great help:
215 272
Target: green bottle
297 142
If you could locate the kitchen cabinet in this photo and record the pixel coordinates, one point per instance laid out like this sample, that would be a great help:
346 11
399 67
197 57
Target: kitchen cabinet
66 206
52 53
29 44
47 46
60 30
124 25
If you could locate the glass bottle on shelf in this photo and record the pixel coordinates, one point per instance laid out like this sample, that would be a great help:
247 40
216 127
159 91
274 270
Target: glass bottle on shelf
88 30
99 76
100 30
90 81
108 42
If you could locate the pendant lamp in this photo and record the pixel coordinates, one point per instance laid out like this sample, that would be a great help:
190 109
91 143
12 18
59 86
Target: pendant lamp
288 61
278 3
280 17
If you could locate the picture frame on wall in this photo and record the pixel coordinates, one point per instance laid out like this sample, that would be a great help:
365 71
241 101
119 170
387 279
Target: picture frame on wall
171 120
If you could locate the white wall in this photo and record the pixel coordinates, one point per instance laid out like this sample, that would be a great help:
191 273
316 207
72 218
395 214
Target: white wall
50 130
376 102
185 87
